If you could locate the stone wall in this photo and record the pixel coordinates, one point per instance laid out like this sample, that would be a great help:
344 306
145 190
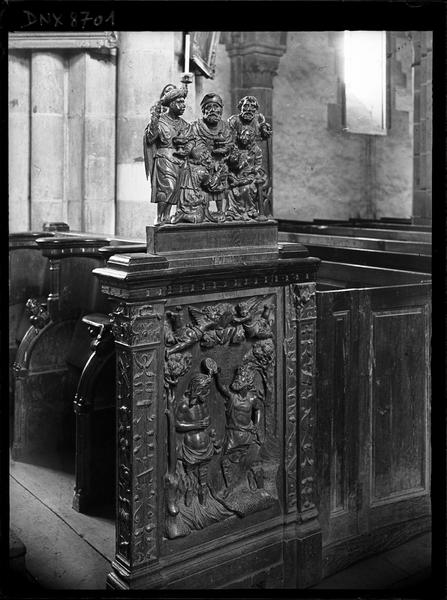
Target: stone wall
321 172
61 138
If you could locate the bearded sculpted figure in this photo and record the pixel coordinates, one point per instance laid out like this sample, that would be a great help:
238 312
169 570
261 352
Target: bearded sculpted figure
249 116
247 177
167 141
213 135
243 415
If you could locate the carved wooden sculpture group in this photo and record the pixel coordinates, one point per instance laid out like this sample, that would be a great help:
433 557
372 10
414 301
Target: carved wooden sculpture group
210 170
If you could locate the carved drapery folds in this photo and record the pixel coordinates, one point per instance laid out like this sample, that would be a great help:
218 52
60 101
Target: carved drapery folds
219 379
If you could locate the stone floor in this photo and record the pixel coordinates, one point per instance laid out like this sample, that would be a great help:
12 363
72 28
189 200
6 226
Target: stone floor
69 551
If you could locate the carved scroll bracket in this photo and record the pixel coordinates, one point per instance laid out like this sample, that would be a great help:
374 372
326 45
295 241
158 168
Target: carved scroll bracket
137 324
38 313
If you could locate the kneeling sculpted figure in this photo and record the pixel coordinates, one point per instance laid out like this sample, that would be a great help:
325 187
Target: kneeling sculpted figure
190 196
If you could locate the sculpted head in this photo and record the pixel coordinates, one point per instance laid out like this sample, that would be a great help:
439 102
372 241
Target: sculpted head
246 137
248 107
244 379
174 99
198 389
264 351
212 108
177 106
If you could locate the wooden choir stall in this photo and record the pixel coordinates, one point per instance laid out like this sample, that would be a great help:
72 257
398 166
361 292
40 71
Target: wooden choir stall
254 394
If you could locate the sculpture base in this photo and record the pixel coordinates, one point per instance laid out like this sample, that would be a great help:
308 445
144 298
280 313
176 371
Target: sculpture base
214 243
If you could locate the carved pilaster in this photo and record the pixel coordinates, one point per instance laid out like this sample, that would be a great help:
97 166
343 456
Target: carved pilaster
308 527
304 296
137 329
299 354
290 399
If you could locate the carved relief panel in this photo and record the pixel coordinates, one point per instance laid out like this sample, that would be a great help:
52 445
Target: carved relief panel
223 446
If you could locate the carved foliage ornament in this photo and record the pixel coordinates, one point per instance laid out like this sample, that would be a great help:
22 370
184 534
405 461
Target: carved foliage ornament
136 325
137 330
304 299
290 356
38 313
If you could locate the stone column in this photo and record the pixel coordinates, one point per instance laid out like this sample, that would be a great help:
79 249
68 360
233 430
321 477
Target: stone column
19 141
423 136
47 138
254 63
146 63
90 172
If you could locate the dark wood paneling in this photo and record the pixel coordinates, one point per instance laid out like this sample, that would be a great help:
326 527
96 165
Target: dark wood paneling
327 238
351 230
359 276
373 401
398 402
337 349
373 258
376 233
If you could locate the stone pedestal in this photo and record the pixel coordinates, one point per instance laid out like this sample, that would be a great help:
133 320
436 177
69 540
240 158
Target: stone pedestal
215 414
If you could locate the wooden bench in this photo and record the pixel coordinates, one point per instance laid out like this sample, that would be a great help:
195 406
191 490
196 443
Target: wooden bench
394 254
57 362
28 279
374 258
44 384
368 243
400 224
373 396
95 406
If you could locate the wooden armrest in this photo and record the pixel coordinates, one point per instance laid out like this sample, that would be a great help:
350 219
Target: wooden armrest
67 246
96 320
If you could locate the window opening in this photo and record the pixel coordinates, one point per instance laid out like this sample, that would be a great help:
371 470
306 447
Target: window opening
365 82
